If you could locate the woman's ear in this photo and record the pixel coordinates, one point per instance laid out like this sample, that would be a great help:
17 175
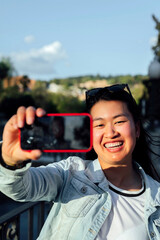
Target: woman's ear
137 129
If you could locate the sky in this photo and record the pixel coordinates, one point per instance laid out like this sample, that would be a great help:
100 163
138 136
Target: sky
66 38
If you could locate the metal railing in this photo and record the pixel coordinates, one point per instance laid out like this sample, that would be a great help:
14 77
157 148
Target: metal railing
24 222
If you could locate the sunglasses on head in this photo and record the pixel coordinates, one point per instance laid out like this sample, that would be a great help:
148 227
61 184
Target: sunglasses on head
93 93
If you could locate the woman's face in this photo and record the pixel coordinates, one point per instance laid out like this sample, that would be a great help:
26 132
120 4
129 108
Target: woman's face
114 132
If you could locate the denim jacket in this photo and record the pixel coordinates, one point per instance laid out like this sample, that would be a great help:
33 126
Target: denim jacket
79 190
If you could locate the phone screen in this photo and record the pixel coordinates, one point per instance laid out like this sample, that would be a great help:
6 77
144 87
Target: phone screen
58 133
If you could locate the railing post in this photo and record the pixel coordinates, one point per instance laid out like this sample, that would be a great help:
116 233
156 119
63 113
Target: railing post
30 224
41 216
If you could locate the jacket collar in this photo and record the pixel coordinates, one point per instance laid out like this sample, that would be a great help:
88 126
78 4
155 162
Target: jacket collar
95 174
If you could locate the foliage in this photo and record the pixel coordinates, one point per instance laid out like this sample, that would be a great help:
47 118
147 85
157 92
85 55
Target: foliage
156 48
132 81
68 82
11 99
72 81
10 103
6 68
42 98
41 85
68 104
9 92
138 92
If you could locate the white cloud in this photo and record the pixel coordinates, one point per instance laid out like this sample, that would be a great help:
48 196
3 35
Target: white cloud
153 41
40 61
29 39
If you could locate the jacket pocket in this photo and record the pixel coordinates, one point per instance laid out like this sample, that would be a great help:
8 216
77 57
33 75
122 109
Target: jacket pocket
78 199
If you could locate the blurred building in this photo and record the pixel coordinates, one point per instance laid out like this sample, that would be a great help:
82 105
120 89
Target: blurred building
23 82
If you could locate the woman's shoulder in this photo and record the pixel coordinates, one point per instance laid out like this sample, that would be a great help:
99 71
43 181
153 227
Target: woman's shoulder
72 162
152 182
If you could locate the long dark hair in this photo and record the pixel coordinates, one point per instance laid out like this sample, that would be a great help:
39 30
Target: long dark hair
141 153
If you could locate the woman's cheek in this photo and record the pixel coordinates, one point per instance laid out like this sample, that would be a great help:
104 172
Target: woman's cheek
97 136
128 130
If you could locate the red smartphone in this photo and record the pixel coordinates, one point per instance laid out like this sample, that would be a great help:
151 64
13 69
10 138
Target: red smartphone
58 132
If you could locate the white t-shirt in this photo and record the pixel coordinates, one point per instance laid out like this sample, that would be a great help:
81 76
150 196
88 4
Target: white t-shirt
126 219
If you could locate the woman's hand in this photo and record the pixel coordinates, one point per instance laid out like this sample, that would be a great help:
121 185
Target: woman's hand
12 153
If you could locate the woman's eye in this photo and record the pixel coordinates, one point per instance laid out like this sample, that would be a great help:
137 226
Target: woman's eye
99 125
120 122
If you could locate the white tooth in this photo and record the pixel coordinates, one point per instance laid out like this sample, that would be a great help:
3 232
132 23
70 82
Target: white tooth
110 145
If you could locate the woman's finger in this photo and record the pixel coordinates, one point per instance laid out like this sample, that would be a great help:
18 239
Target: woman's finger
21 114
30 115
40 112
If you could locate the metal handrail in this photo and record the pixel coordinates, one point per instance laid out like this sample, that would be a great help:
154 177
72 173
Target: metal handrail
10 222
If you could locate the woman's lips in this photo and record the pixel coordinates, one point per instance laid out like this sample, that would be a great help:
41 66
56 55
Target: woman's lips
113 145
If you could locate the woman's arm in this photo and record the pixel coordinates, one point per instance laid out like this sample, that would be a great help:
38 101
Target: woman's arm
17 180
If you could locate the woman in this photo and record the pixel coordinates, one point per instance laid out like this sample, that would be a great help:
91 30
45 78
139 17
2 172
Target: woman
108 198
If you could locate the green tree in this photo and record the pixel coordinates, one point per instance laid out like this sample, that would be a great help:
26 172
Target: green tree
156 48
6 69
68 104
42 98
11 99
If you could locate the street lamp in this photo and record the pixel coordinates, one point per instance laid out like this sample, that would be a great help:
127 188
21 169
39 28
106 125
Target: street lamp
154 69
153 85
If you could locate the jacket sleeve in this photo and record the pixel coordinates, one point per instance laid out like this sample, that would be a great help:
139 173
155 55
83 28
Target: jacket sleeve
32 184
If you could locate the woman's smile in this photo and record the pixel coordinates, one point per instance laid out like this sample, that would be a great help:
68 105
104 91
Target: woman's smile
114 146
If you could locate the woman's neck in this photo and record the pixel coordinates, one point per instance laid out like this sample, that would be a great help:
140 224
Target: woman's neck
124 177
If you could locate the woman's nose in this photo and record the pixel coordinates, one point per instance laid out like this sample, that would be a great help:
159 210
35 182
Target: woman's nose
110 132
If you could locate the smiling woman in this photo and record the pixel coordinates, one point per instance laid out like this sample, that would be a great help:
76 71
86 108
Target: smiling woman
91 198
119 142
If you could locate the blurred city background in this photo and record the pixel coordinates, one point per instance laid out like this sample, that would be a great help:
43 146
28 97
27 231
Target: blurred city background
52 52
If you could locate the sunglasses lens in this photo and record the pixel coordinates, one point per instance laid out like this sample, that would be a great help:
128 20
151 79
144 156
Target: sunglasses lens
92 94
116 88
93 91
113 88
